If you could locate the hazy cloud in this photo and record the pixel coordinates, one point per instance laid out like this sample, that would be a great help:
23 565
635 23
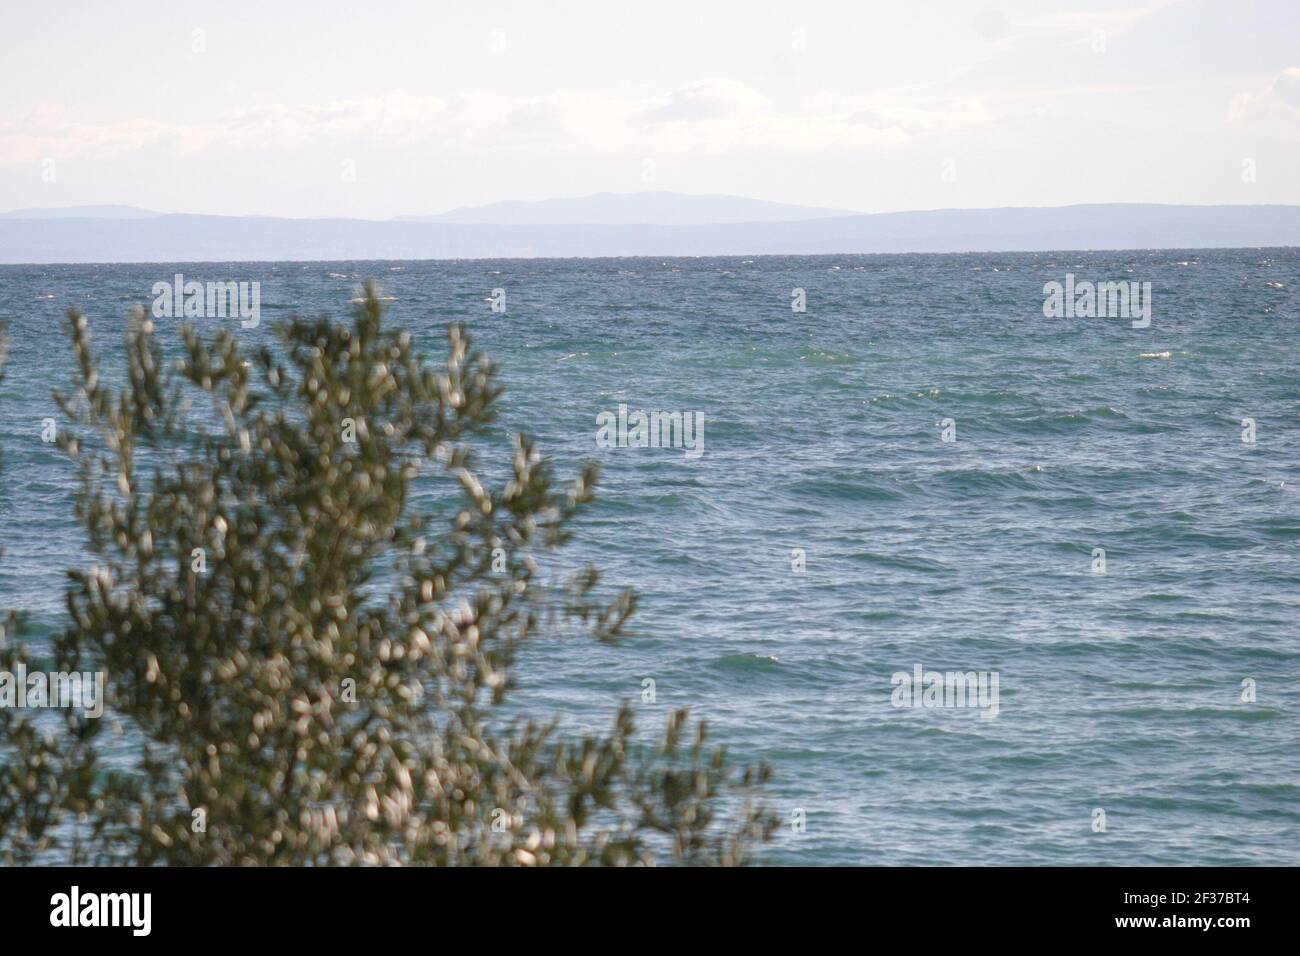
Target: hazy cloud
1279 98
709 117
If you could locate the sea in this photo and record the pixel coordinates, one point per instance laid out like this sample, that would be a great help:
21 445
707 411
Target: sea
915 484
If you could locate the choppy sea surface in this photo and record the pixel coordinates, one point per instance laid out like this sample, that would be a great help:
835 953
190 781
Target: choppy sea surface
1127 691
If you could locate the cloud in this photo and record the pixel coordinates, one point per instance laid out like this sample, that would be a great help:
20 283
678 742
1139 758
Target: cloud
1085 22
1286 88
1279 98
708 99
49 132
709 117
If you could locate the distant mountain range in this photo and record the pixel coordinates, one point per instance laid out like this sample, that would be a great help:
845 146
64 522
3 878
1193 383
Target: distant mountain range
632 209
608 225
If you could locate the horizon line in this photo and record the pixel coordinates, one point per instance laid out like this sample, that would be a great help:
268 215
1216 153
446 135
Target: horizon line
728 255
418 218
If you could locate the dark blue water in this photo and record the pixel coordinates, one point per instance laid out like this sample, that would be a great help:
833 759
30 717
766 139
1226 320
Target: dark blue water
1120 692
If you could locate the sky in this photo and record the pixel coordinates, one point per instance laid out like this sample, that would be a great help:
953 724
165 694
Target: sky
409 108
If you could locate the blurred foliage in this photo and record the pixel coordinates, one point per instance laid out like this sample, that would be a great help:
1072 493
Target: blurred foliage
305 668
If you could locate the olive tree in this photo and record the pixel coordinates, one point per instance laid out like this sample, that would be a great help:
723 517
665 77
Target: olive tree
307 667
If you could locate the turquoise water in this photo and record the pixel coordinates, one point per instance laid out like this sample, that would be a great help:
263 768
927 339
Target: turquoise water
1119 691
